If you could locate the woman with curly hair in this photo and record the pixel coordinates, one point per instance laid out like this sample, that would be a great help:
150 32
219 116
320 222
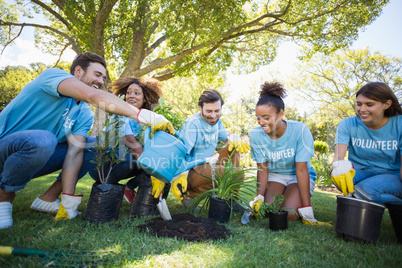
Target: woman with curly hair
143 93
282 149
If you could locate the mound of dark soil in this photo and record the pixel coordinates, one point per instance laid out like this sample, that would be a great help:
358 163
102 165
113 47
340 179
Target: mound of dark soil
186 226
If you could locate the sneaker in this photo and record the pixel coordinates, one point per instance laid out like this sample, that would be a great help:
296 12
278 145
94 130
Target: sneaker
44 206
129 195
6 219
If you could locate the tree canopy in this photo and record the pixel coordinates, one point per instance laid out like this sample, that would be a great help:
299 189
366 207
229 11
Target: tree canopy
166 38
330 82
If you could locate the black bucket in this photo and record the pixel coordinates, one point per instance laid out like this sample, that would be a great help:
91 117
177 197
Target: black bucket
104 202
278 220
358 220
219 210
395 211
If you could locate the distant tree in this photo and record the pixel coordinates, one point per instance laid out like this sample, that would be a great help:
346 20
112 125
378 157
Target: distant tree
239 116
183 92
331 81
14 78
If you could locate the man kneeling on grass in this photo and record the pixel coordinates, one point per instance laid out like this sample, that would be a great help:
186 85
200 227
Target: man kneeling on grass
49 111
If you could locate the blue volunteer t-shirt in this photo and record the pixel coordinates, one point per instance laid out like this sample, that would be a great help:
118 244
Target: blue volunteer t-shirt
200 138
78 122
39 106
281 155
369 149
131 127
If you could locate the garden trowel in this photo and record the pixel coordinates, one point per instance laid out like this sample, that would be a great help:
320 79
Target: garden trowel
163 209
246 217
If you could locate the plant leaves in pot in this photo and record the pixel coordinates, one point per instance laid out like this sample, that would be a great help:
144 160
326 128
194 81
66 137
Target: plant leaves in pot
278 215
230 184
105 199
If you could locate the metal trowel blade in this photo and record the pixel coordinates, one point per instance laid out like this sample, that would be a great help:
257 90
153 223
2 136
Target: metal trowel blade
246 217
163 209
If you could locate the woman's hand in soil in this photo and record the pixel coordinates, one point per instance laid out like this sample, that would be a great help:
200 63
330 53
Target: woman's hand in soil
157 187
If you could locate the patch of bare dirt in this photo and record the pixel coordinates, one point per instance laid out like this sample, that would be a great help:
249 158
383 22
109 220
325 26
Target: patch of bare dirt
331 189
186 226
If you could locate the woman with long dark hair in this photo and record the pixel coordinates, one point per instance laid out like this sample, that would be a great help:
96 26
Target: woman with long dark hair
373 139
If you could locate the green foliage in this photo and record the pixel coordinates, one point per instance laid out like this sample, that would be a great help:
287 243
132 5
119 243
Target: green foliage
329 83
168 38
14 78
323 167
182 93
275 206
239 117
106 149
233 183
320 147
164 109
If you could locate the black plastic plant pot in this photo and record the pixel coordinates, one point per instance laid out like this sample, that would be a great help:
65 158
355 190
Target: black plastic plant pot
219 210
104 202
144 203
395 211
358 220
278 220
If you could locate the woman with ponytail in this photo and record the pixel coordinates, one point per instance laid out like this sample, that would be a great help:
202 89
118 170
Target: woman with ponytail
282 149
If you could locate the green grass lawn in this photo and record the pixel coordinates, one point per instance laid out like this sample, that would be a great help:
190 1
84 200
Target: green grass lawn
252 245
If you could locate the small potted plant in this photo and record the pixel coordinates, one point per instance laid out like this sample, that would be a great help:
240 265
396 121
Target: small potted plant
105 199
230 184
278 215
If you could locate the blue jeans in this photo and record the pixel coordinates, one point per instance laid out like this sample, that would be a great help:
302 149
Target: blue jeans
55 162
126 169
377 187
29 154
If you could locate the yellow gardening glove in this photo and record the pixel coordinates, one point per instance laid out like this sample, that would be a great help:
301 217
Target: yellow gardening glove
235 142
179 185
307 217
155 121
68 206
342 176
157 187
257 203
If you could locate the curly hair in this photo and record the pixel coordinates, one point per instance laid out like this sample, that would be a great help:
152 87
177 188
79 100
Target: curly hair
151 89
272 94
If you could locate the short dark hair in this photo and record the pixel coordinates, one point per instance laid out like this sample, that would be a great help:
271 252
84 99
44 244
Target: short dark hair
210 96
84 59
381 92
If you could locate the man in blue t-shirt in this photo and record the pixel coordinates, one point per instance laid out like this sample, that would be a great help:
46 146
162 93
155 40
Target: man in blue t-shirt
200 134
49 111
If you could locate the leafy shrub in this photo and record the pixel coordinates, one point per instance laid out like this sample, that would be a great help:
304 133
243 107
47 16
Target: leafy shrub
322 166
321 147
